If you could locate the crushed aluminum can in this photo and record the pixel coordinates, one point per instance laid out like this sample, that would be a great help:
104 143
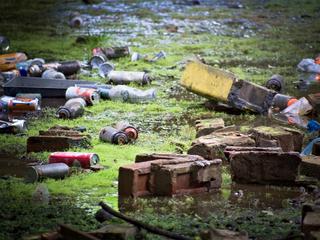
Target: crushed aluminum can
96 61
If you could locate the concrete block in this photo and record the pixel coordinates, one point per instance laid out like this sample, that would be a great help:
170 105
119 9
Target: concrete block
116 232
212 146
311 223
310 166
265 167
228 151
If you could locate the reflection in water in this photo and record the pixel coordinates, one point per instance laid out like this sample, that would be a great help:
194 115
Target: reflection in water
236 196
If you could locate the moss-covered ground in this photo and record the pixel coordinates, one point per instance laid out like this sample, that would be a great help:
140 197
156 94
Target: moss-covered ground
254 40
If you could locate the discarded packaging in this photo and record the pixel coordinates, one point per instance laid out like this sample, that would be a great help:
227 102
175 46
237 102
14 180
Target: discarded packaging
126 127
30 96
75 159
123 77
276 83
14 126
40 172
158 56
128 94
11 104
52 74
73 108
309 65
45 87
91 96
296 111
112 135
8 61
4 44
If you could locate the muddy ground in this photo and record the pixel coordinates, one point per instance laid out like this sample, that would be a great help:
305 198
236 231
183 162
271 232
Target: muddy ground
253 39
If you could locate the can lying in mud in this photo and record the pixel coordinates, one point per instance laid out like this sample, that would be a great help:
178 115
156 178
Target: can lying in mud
114 136
124 77
11 104
40 172
130 130
52 74
73 108
14 126
74 159
90 95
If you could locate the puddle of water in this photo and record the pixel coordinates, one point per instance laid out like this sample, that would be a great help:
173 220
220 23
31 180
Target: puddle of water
12 166
236 196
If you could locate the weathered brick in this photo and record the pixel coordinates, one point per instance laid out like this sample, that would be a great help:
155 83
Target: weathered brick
311 222
212 146
286 138
310 166
208 126
57 139
169 177
234 150
168 156
265 167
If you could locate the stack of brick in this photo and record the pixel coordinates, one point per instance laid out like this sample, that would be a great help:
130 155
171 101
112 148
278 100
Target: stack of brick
57 139
169 177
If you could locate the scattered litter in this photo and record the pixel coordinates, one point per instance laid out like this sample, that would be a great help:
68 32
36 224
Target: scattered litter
114 136
90 95
125 77
75 159
73 108
40 172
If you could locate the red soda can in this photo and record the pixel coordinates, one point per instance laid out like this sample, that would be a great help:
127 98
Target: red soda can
85 160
